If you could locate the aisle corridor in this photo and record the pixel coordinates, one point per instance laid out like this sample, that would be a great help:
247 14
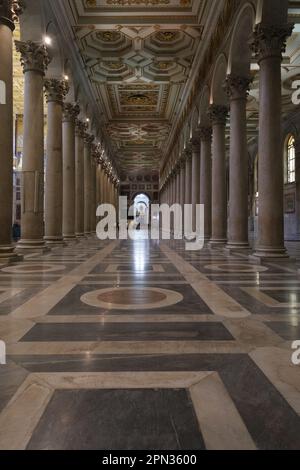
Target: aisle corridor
140 345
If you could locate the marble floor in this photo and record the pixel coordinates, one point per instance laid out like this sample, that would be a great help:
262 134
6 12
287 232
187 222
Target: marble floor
143 345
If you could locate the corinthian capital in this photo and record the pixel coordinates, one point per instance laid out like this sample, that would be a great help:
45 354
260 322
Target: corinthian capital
205 134
10 10
70 112
34 56
56 90
81 128
218 114
236 87
88 139
270 40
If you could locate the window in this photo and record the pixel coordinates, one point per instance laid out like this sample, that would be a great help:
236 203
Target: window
291 161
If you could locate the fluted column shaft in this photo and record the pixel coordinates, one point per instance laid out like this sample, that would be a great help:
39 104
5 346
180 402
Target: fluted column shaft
268 45
205 178
55 93
7 253
34 58
69 178
237 90
79 178
218 115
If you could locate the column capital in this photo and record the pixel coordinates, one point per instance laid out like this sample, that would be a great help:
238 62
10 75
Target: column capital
34 56
187 153
10 10
205 134
237 88
70 112
195 143
218 114
81 128
56 90
88 139
270 40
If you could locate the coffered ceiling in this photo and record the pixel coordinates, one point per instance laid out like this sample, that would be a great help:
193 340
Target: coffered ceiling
139 56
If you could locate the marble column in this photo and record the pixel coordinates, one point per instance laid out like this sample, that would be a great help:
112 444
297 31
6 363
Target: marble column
218 115
195 179
182 183
35 59
94 156
237 90
205 178
80 130
188 176
70 113
268 44
178 183
88 140
8 13
56 91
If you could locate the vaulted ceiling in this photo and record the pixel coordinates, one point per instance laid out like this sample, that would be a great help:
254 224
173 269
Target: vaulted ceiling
139 56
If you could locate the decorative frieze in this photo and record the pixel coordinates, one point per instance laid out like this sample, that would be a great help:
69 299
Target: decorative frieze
34 56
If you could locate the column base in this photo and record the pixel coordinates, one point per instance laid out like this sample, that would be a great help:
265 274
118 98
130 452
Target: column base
80 236
54 242
217 243
235 246
8 255
32 246
261 255
70 239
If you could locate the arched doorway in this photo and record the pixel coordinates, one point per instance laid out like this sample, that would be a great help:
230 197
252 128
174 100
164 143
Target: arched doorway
142 209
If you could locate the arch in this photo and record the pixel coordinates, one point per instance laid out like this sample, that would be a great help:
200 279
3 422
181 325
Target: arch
218 95
239 60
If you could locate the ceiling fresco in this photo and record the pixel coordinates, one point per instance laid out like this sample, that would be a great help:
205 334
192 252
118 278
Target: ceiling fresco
139 56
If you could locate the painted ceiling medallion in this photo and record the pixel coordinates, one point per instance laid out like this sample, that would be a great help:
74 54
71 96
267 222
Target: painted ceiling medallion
167 36
109 36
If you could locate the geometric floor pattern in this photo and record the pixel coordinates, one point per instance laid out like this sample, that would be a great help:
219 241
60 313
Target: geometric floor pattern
144 345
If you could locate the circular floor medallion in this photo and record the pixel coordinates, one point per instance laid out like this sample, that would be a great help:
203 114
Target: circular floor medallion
131 298
236 268
28 268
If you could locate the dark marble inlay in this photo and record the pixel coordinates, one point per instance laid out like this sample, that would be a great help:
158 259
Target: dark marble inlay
286 330
118 420
128 332
72 305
